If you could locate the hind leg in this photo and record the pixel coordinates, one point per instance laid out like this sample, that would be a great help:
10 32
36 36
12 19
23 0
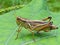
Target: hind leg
48 18
42 27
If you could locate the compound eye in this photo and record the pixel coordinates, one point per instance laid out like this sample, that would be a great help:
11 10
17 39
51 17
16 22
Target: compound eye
18 18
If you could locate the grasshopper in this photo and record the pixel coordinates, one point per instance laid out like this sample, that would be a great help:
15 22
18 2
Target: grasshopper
35 25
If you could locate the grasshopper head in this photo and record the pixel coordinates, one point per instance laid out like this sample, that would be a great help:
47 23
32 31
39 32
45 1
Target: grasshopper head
18 20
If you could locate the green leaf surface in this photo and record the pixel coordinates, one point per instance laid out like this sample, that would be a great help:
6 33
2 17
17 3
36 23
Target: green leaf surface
34 10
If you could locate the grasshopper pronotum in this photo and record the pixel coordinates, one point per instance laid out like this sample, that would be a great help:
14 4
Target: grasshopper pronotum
35 25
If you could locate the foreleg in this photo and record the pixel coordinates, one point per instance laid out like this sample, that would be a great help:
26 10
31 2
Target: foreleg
19 29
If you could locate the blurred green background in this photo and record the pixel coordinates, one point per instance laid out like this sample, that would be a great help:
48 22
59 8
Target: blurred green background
33 9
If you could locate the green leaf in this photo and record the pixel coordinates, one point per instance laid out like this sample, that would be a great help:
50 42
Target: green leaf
34 10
